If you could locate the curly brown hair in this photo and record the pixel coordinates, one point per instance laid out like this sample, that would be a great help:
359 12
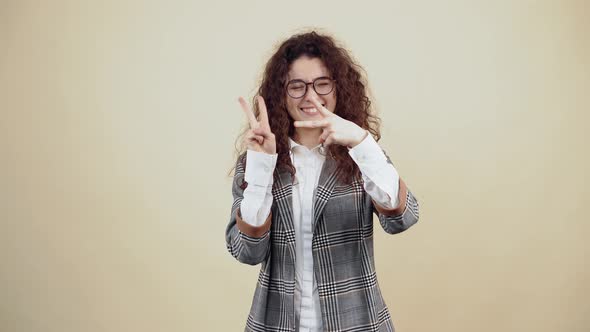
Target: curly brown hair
352 104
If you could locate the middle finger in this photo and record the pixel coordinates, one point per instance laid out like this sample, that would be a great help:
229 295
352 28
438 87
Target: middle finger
249 114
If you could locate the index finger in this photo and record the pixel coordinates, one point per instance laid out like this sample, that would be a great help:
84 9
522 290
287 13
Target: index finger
249 114
323 111
311 124
262 111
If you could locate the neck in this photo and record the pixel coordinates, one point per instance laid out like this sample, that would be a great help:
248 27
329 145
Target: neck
308 137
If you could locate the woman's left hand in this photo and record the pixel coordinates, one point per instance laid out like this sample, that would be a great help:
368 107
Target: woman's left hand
336 130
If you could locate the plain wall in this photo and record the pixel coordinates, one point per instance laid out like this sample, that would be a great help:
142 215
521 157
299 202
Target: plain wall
117 129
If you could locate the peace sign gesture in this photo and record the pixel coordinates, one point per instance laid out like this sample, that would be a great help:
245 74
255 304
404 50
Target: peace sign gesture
259 137
335 130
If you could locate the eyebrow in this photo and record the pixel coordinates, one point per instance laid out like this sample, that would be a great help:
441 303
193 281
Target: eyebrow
300 79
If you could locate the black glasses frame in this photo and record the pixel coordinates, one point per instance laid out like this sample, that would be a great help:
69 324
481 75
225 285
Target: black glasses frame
312 84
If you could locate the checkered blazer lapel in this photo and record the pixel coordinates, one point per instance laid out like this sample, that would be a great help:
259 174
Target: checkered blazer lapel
283 195
323 191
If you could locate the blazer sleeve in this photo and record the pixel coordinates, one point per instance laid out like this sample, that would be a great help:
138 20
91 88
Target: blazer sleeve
402 217
248 244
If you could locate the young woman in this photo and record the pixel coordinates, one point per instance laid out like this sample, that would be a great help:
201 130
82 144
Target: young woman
305 192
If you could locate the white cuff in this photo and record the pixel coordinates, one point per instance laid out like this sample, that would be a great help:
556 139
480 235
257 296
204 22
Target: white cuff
367 153
380 177
259 168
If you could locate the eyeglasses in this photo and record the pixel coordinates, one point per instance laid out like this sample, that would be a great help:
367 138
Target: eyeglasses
321 85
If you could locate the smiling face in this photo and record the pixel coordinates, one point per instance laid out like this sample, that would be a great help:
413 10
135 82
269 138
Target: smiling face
308 69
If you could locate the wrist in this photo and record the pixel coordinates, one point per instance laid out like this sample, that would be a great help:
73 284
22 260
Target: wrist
362 134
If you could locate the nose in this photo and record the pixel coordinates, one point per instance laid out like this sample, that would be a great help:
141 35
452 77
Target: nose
310 93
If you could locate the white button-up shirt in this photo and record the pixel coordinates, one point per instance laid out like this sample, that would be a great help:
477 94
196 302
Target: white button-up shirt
380 181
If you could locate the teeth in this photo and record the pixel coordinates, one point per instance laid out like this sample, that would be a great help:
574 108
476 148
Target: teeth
310 110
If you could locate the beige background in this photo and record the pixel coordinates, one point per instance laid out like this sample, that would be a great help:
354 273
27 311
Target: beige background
117 129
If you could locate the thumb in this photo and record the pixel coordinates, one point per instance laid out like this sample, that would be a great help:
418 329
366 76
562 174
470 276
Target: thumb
262 131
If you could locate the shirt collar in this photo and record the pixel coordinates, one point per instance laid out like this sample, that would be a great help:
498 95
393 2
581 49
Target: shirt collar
293 145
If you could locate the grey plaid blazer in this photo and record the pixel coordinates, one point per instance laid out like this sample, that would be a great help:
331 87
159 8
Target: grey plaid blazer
344 267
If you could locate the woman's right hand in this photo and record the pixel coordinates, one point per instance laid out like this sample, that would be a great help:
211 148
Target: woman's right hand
259 137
